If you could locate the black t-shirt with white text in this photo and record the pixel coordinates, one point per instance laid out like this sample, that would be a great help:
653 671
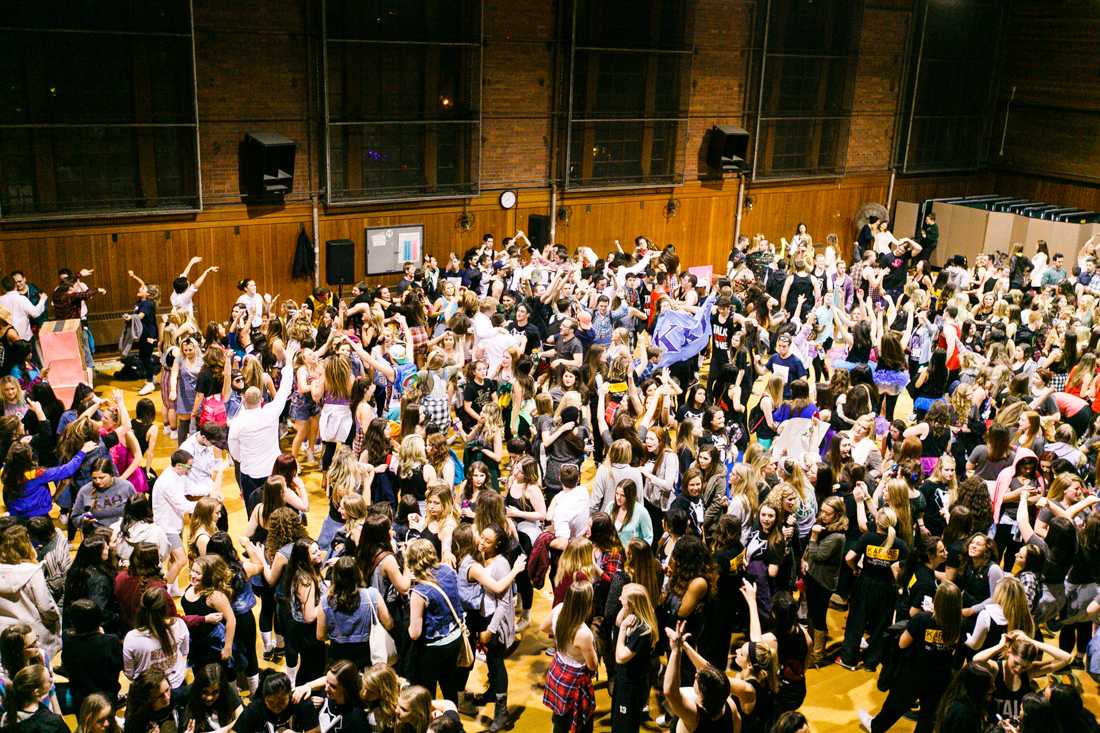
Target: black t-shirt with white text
877 559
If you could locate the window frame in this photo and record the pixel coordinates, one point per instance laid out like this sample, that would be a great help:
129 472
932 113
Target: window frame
762 118
151 126
329 123
678 146
912 88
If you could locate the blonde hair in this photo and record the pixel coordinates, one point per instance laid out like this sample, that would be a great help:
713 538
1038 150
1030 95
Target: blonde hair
897 497
887 519
779 495
421 559
338 377
442 491
345 477
355 511
574 613
745 482
636 600
202 518
412 454
380 682
492 424
763 665
1012 598
578 557
953 484
774 390
569 399
20 397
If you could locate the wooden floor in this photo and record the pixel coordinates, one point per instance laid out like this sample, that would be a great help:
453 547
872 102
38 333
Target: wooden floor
835 694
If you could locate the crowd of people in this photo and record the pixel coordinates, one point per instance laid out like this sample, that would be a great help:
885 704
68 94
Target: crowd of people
911 448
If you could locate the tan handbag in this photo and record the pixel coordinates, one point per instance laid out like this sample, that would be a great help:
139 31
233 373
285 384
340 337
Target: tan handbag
465 651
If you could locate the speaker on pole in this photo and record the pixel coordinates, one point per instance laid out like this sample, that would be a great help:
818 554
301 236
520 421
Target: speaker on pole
340 262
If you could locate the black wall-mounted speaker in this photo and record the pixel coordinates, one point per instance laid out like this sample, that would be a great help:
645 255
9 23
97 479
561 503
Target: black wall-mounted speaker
728 150
267 166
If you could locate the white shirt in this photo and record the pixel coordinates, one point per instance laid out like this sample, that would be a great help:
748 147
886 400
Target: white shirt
494 346
255 306
884 242
482 325
622 273
141 651
569 513
204 464
170 501
142 532
22 311
185 301
254 433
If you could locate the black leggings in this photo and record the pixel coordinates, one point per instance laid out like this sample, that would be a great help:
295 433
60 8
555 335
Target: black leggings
1080 420
1083 633
871 609
891 401
1006 545
245 642
498 672
564 723
904 692
817 603
148 361
438 665
266 594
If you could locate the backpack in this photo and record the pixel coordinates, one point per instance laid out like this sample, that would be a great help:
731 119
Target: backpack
213 410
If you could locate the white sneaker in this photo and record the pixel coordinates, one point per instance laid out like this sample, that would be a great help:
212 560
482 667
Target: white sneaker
149 388
865 720
523 622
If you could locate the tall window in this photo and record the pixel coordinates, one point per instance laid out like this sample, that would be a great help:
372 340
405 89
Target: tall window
630 66
806 78
950 94
97 109
403 86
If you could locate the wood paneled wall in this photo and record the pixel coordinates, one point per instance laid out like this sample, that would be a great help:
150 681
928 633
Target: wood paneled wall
259 243
1051 190
826 207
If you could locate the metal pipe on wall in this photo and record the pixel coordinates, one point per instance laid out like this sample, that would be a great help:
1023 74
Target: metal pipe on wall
740 207
316 243
890 191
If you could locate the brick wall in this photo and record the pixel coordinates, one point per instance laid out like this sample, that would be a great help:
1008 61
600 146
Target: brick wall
882 45
256 70
252 74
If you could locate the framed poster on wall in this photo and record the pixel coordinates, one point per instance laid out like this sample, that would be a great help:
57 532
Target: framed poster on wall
389 248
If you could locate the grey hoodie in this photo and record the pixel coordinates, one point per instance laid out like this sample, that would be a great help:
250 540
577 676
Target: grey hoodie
25 597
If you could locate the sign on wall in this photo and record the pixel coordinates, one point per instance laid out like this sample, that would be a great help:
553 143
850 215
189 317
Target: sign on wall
389 248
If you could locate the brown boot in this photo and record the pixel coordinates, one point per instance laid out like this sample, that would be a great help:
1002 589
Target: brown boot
817 656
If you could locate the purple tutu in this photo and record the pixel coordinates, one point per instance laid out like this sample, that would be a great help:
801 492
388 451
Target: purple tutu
895 381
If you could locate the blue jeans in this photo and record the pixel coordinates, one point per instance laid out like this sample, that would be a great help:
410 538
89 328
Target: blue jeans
329 528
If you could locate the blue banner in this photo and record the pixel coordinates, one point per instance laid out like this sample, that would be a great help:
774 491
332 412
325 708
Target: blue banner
682 335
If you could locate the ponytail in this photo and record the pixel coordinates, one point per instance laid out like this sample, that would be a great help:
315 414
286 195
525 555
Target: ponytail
23 692
887 519
152 616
